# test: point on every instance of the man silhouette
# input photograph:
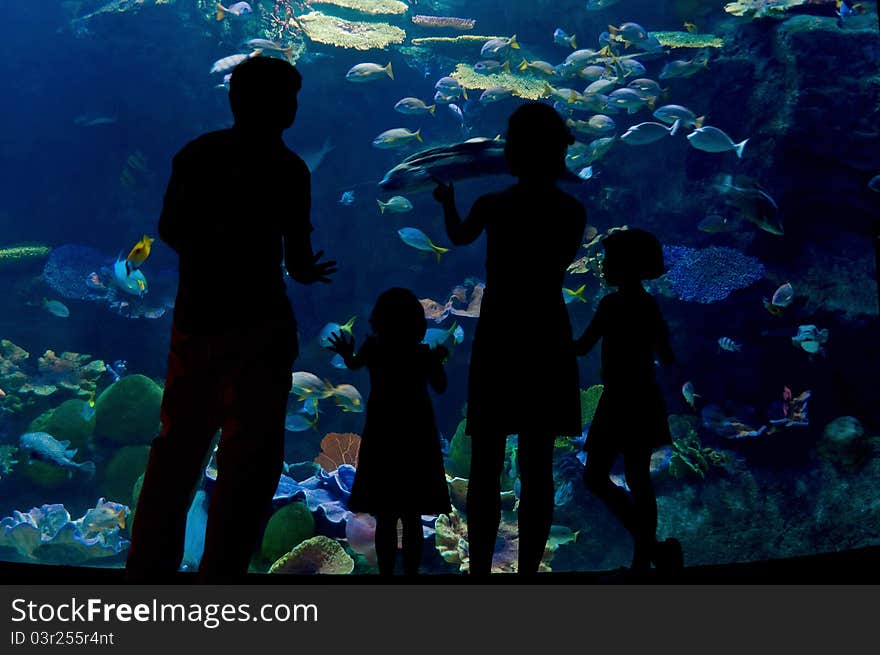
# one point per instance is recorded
(236, 207)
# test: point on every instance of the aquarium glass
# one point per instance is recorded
(743, 134)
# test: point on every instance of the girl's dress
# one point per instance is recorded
(400, 461)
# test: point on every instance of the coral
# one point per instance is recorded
(287, 527)
(444, 21)
(458, 495)
(73, 421)
(458, 458)
(688, 40)
(523, 86)
(47, 534)
(589, 402)
(127, 411)
(330, 30)
(708, 275)
(328, 492)
(12, 377)
(462, 39)
(761, 8)
(73, 372)
(315, 556)
(22, 257)
(370, 7)
(337, 449)
(360, 532)
(688, 455)
(845, 444)
(123, 470)
(7, 459)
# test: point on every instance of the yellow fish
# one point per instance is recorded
(139, 253)
(690, 27)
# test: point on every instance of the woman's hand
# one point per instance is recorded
(341, 343)
(444, 193)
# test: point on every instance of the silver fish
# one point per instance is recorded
(43, 446)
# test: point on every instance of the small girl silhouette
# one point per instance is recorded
(630, 418)
(400, 473)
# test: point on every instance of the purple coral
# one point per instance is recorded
(707, 275)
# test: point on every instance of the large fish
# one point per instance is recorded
(478, 157)
(44, 447)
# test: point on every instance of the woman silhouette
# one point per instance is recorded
(523, 378)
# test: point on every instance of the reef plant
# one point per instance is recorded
(444, 21)
(73, 421)
(522, 86)
(127, 412)
(48, 535)
(589, 402)
(708, 275)
(22, 256)
(368, 7)
(461, 39)
(7, 459)
(319, 555)
(762, 8)
(356, 35)
(688, 40)
(287, 527)
(338, 448)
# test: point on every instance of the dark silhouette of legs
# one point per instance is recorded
(636, 509)
(386, 541)
(535, 457)
(191, 414)
(484, 500)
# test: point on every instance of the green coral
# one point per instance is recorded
(287, 528)
(761, 8)
(589, 402)
(123, 470)
(370, 7)
(23, 256)
(523, 86)
(73, 421)
(318, 555)
(127, 411)
(458, 460)
(356, 35)
(688, 40)
(689, 456)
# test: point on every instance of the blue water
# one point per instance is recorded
(148, 71)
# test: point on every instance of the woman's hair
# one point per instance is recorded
(632, 255)
(537, 142)
(399, 316)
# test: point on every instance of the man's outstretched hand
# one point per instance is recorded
(317, 271)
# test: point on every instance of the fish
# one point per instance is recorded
(417, 239)
(541, 66)
(348, 398)
(728, 344)
(88, 120)
(396, 138)
(395, 205)
(597, 148)
(711, 139)
(782, 298)
(874, 184)
(347, 198)
(490, 66)
(139, 253)
(226, 64)
(314, 158)
(810, 338)
(44, 447)
(451, 88)
(645, 133)
(577, 294)
(105, 516)
(338, 361)
(413, 107)
(305, 385)
(755, 204)
(715, 224)
(456, 111)
(671, 113)
(629, 32)
(690, 394)
(305, 418)
(563, 39)
(685, 68)
(586, 173)
(477, 157)
(597, 125)
(368, 72)
(238, 9)
(131, 281)
(434, 311)
(271, 46)
(56, 308)
(561, 535)
(444, 337)
(496, 48)
(596, 5)
(335, 328)
(495, 94)
(628, 99)
(600, 86)
(689, 27)
(646, 87)
(577, 61)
